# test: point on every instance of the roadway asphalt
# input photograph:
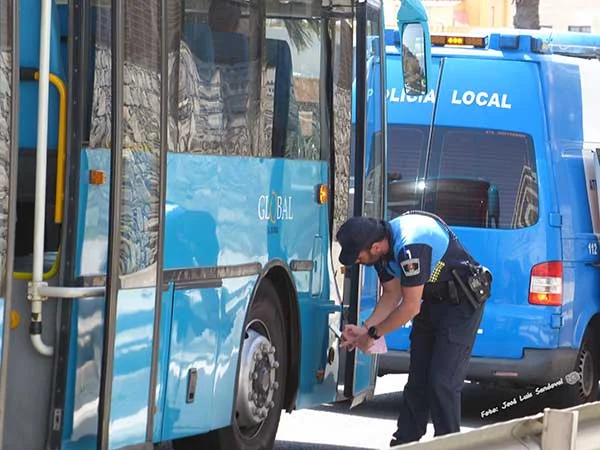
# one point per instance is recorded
(370, 425)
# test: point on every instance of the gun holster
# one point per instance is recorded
(478, 286)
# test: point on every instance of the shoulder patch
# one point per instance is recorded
(411, 267)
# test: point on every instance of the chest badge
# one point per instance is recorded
(411, 267)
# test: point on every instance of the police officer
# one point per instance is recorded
(428, 277)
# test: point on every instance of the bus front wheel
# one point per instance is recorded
(261, 376)
(261, 381)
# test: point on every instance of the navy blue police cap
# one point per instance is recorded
(357, 234)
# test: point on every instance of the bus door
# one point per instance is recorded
(369, 144)
(359, 285)
(368, 193)
(134, 289)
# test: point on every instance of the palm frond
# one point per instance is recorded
(302, 32)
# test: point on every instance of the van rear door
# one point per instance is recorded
(482, 169)
(488, 176)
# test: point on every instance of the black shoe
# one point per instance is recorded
(394, 443)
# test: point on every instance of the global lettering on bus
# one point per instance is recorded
(275, 207)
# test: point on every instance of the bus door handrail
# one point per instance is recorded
(29, 74)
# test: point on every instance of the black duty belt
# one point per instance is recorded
(436, 292)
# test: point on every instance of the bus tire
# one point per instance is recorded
(587, 367)
(261, 381)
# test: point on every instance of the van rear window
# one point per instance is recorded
(470, 177)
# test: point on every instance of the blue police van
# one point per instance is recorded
(504, 147)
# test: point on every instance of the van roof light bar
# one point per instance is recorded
(460, 41)
(392, 37)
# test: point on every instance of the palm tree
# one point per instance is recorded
(302, 32)
(527, 15)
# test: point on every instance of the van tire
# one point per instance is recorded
(264, 322)
(587, 367)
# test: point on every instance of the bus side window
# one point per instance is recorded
(232, 60)
(284, 127)
(141, 140)
(196, 81)
(217, 93)
(293, 93)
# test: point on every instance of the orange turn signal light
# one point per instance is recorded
(97, 177)
(323, 194)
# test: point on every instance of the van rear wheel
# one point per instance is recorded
(587, 368)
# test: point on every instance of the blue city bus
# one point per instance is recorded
(172, 176)
(504, 147)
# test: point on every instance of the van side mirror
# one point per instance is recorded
(414, 59)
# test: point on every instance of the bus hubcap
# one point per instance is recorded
(257, 385)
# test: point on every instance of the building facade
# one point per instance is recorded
(570, 15)
(455, 16)
(459, 16)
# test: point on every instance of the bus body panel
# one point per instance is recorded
(131, 374)
(163, 361)
(211, 214)
(133, 352)
(205, 335)
(233, 222)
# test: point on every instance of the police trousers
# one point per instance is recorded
(441, 341)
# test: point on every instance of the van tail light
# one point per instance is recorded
(545, 287)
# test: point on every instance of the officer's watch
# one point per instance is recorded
(372, 332)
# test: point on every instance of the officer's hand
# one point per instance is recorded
(364, 343)
(351, 335)
(352, 332)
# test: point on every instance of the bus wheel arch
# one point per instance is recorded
(279, 275)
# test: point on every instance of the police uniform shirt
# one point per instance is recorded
(421, 251)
